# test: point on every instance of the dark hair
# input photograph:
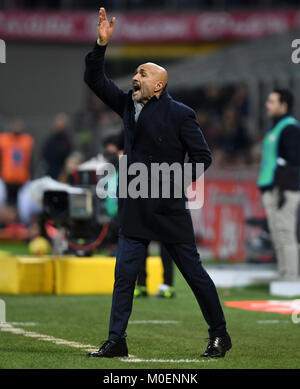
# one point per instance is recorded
(285, 96)
(114, 139)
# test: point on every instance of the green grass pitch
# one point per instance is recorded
(84, 319)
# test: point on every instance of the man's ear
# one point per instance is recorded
(284, 106)
(159, 86)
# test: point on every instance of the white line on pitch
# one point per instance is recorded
(271, 321)
(138, 360)
(154, 322)
(7, 327)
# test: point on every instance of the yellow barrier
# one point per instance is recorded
(154, 271)
(96, 275)
(26, 275)
(84, 275)
(67, 275)
(4, 254)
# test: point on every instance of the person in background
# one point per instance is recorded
(166, 289)
(7, 215)
(16, 148)
(279, 181)
(57, 148)
(232, 141)
(71, 164)
(210, 128)
(113, 147)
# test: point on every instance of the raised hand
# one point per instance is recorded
(105, 28)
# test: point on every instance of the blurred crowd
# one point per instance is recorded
(143, 4)
(95, 131)
(223, 114)
(56, 159)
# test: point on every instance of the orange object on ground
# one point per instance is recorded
(277, 306)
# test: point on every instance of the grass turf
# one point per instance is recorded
(84, 319)
(15, 248)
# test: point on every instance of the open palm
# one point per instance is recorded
(105, 28)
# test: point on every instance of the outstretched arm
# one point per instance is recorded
(95, 76)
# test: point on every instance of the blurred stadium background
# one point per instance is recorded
(223, 58)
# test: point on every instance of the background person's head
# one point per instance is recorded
(112, 148)
(111, 144)
(202, 117)
(230, 120)
(60, 122)
(17, 127)
(280, 102)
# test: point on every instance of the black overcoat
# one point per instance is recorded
(166, 131)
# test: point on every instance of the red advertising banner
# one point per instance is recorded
(220, 225)
(148, 27)
(229, 227)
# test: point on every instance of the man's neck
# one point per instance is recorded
(276, 119)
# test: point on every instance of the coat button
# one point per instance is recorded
(160, 139)
(150, 157)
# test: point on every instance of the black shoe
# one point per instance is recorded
(111, 349)
(218, 346)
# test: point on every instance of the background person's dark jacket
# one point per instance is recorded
(165, 131)
(56, 150)
(288, 177)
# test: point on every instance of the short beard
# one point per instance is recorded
(136, 100)
(142, 99)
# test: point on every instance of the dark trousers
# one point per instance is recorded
(167, 263)
(12, 191)
(130, 255)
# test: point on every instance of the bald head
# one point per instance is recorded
(158, 72)
(149, 80)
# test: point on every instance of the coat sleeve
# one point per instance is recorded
(194, 143)
(289, 145)
(98, 82)
(288, 177)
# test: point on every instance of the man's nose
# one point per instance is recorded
(135, 77)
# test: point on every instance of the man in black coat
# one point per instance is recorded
(158, 129)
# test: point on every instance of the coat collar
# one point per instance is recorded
(148, 110)
(165, 92)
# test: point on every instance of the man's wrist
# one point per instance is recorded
(101, 44)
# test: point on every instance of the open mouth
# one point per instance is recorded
(136, 87)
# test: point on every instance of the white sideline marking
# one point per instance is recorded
(7, 327)
(138, 360)
(21, 323)
(154, 322)
(271, 321)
